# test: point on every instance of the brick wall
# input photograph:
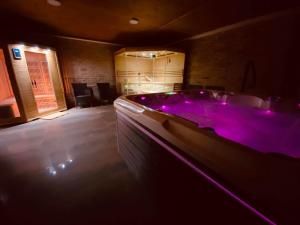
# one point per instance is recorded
(87, 62)
(271, 45)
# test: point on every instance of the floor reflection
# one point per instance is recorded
(67, 171)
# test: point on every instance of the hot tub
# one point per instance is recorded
(244, 148)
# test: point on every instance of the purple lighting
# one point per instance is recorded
(268, 111)
(201, 92)
(299, 105)
(261, 130)
(205, 175)
(143, 98)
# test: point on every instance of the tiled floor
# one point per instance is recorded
(67, 171)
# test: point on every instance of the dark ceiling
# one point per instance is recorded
(161, 21)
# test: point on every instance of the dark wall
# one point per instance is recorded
(268, 47)
(85, 62)
(80, 60)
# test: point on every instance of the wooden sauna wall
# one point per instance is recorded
(120, 71)
(169, 69)
(132, 70)
(165, 69)
(57, 80)
(5, 86)
(23, 81)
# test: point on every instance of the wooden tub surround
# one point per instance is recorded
(157, 146)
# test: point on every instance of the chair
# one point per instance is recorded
(83, 94)
(194, 87)
(107, 93)
(177, 87)
(113, 92)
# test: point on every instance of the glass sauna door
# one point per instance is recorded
(41, 81)
(8, 105)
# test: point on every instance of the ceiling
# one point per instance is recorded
(161, 21)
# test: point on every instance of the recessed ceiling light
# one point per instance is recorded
(134, 21)
(54, 2)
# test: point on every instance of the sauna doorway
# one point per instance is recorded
(41, 82)
(9, 109)
(36, 79)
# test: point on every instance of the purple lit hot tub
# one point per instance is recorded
(245, 147)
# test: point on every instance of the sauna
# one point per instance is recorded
(30, 83)
(9, 110)
(140, 70)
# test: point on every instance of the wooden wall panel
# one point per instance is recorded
(22, 76)
(132, 69)
(169, 69)
(56, 80)
(5, 86)
(40, 77)
(23, 82)
(141, 74)
(159, 67)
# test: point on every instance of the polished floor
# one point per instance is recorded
(68, 171)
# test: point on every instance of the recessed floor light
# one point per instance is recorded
(134, 21)
(54, 2)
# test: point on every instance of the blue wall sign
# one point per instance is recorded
(16, 53)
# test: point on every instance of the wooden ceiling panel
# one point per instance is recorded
(102, 20)
(161, 21)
